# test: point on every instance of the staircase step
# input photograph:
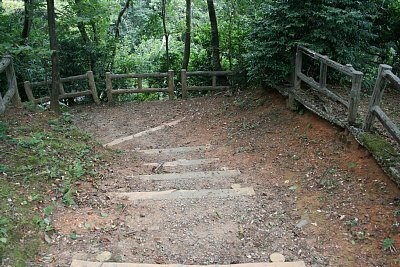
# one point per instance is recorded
(188, 175)
(79, 263)
(185, 194)
(174, 150)
(140, 134)
(182, 162)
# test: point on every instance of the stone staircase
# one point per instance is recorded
(196, 202)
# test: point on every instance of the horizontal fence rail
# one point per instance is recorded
(110, 91)
(213, 87)
(374, 111)
(12, 94)
(351, 103)
(88, 75)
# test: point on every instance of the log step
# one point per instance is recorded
(79, 263)
(151, 130)
(188, 175)
(174, 150)
(185, 194)
(182, 162)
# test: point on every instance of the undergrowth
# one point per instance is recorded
(42, 157)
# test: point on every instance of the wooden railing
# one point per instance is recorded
(213, 74)
(374, 110)
(110, 91)
(6, 64)
(351, 103)
(89, 76)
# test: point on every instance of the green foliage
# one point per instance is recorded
(388, 244)
(340, 29)
(259, 36)
(387, 26)
(48, 156)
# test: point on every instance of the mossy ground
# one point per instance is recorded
(42, 157)
(378, 146)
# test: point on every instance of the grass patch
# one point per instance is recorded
(42, 158)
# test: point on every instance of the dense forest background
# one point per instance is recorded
(255, 36)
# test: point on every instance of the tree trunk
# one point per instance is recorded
(214, 36)
(86, 39)
(116, 35)
(27, 21)
(186, 53)
(166, 35)
(55, 68)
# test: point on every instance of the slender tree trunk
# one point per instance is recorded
(166, 35)
(186, 53)
(27, 21)
(116, 35)
(214, 36)
(86, 39)
(55, 68)
(231, 10)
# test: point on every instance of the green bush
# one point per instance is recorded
(341, 29)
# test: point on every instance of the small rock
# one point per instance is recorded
(47, 239)
(301, 224)
(277, 257)
(235, 186)
(104, 256)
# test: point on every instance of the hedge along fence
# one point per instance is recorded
(6, 65)
(89, 76)
(374, 111)
(110, 91)
(351, 103)
(213, 87)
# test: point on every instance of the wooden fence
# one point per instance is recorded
(89, 76)
(374, 111)
(351, 103)
(213, 74)
(110, 92)
(6, 65)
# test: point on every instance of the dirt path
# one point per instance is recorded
(318, 196)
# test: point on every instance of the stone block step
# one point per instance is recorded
(79, 263)
(182, 162)
(173, 150)
(187, 175)
(185, 194)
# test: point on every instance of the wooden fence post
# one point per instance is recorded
(184, 84)
(376, 97)
(12, 81)
(92, 86)
(62, 91)
(323, 73)
(28, 91)
(356, 81)
(293, 105)
(214, 81)
(140, 83)
(171, 84)
(109, 87)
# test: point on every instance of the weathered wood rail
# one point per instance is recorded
(351, 103)
(88, 75)
(12, 94)
(213, 87)
(374, 111)
(110, 91)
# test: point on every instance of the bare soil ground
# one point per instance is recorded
(301, 168)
